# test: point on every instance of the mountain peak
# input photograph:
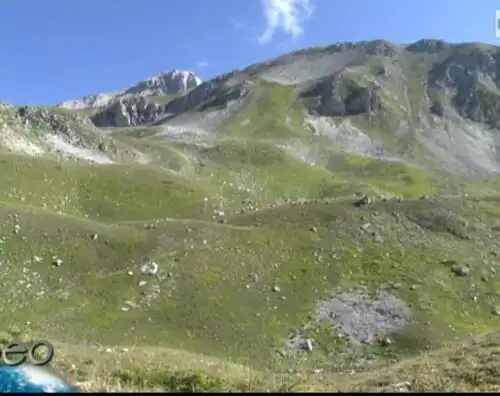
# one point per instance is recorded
(168, 82)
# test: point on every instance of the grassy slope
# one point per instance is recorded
(191, 318)
(470, 366)
(107, 193)
(244, 324)
(204, 258)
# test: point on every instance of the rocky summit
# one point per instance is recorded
(326, 220)
(171, 82)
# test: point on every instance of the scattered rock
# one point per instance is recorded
(365, 318)
(363, 202)
(131, 304)
(276, 289)
(254, 277)
(366, 227)
(402, 387)
(57, 262)
(307, 345)
(460, 270)
(281, 352)
(149, 268)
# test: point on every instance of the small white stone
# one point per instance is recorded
(150, 268)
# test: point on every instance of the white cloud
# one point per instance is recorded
(285, 15)
(203, 63)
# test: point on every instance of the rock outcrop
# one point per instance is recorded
(166, 83)
(342, 96)
(139, 110)
(131, 111)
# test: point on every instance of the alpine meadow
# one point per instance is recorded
(326, 220)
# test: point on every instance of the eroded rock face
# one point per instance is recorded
(165, 83)
(470, 78)
(139, 110)
(341, 96)
(211, 94)
(61, 123)
(128, 112)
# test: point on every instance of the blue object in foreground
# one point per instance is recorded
(28, 378)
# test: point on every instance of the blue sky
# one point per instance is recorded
(53, 50)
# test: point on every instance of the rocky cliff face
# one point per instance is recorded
(129, 111)
(469, 77)
(139, 110)
(339, 96)
(166, 83)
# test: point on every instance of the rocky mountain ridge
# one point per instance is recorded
(430, 103)
(165, 83)
(468, 69)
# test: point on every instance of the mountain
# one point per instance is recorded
(431, 103)
(326, 220)
(171, 82)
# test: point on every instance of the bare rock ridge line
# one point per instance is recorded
(166, 83)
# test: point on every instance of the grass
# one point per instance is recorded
(470, 366)
(154, 369)
(108, 193)
(271, 113)
(243, 324)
